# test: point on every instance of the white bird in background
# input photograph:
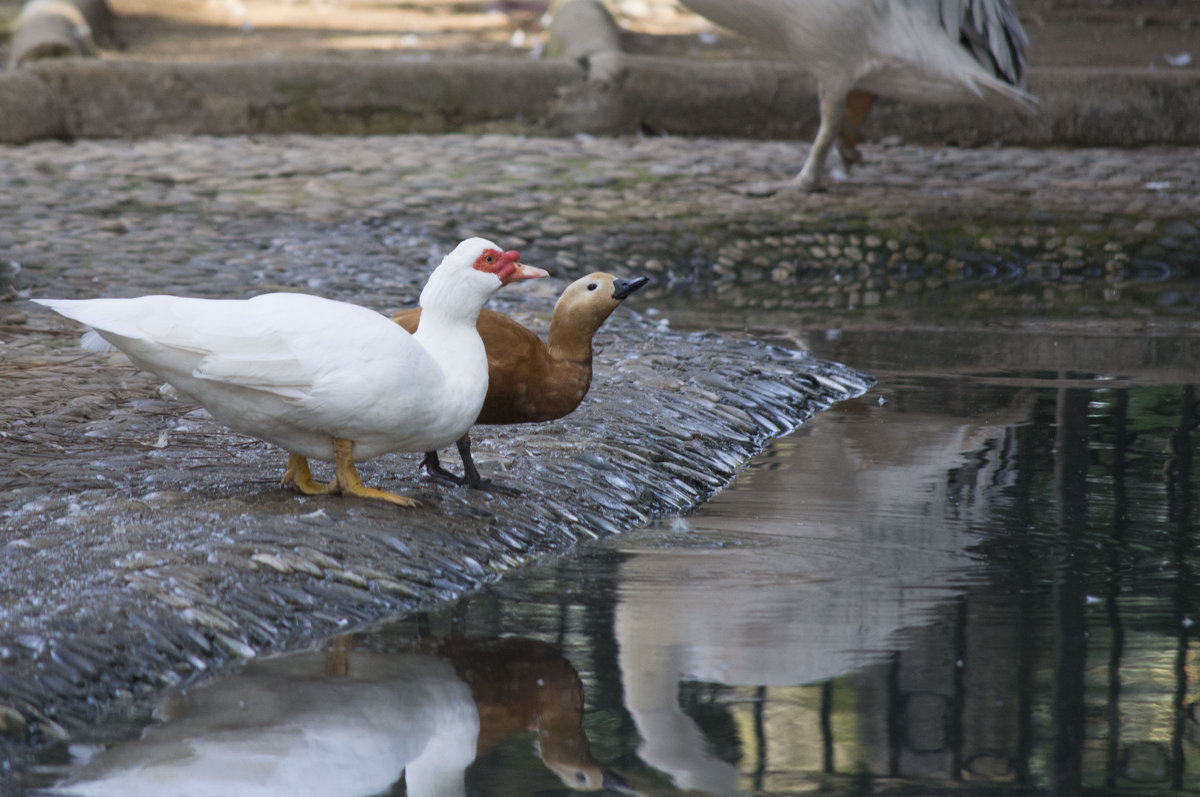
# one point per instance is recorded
(925, 51)
(318, 378)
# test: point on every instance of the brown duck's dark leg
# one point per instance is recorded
(433, 466)
(471, 476)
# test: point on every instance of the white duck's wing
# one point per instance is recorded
(309, 369)
(288, 345)
(350, 362)
(282, 344)
(272, 369)
(166, 335)
(300, 371)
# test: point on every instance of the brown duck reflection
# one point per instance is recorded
(344, 721)
(519, 684)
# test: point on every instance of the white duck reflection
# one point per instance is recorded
(352, 722)
(879, 545)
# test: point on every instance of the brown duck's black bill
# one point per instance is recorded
(622, 288)
(611, 781)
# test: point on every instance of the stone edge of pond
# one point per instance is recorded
(614, 93)
(165, 627)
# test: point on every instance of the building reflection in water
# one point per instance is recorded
(1055, 657)
(828, 548)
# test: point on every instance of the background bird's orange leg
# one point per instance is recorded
(348, 480)
(858, 105)
(298, 475)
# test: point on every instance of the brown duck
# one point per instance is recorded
(530, 381)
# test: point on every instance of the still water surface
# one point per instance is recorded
(980, 576)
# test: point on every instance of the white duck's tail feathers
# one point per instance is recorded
(97, 313)
(57, 305)
(93, 342)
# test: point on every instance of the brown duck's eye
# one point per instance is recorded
(592, 286)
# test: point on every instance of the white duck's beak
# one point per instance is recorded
(520, 271)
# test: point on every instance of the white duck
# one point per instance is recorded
(347, 722)
(297, 725)
(926, 51)
(321, 379)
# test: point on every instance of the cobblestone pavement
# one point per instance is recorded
(215, 216)
(365, 218)
(144, 545)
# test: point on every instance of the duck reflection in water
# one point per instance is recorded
(349, 722)
(781, 603)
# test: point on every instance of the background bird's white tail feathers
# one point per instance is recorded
(987, 86)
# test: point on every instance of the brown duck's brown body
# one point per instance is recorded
(526, 382)
(530, 381)
(519, 684)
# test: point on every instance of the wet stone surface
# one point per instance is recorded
(144, 545)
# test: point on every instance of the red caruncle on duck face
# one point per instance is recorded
(504, 265)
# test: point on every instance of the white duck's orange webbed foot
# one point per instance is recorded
(299, 476)
(348, 480)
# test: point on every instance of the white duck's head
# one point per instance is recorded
(470, 275)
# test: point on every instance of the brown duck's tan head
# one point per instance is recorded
(583, 307)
